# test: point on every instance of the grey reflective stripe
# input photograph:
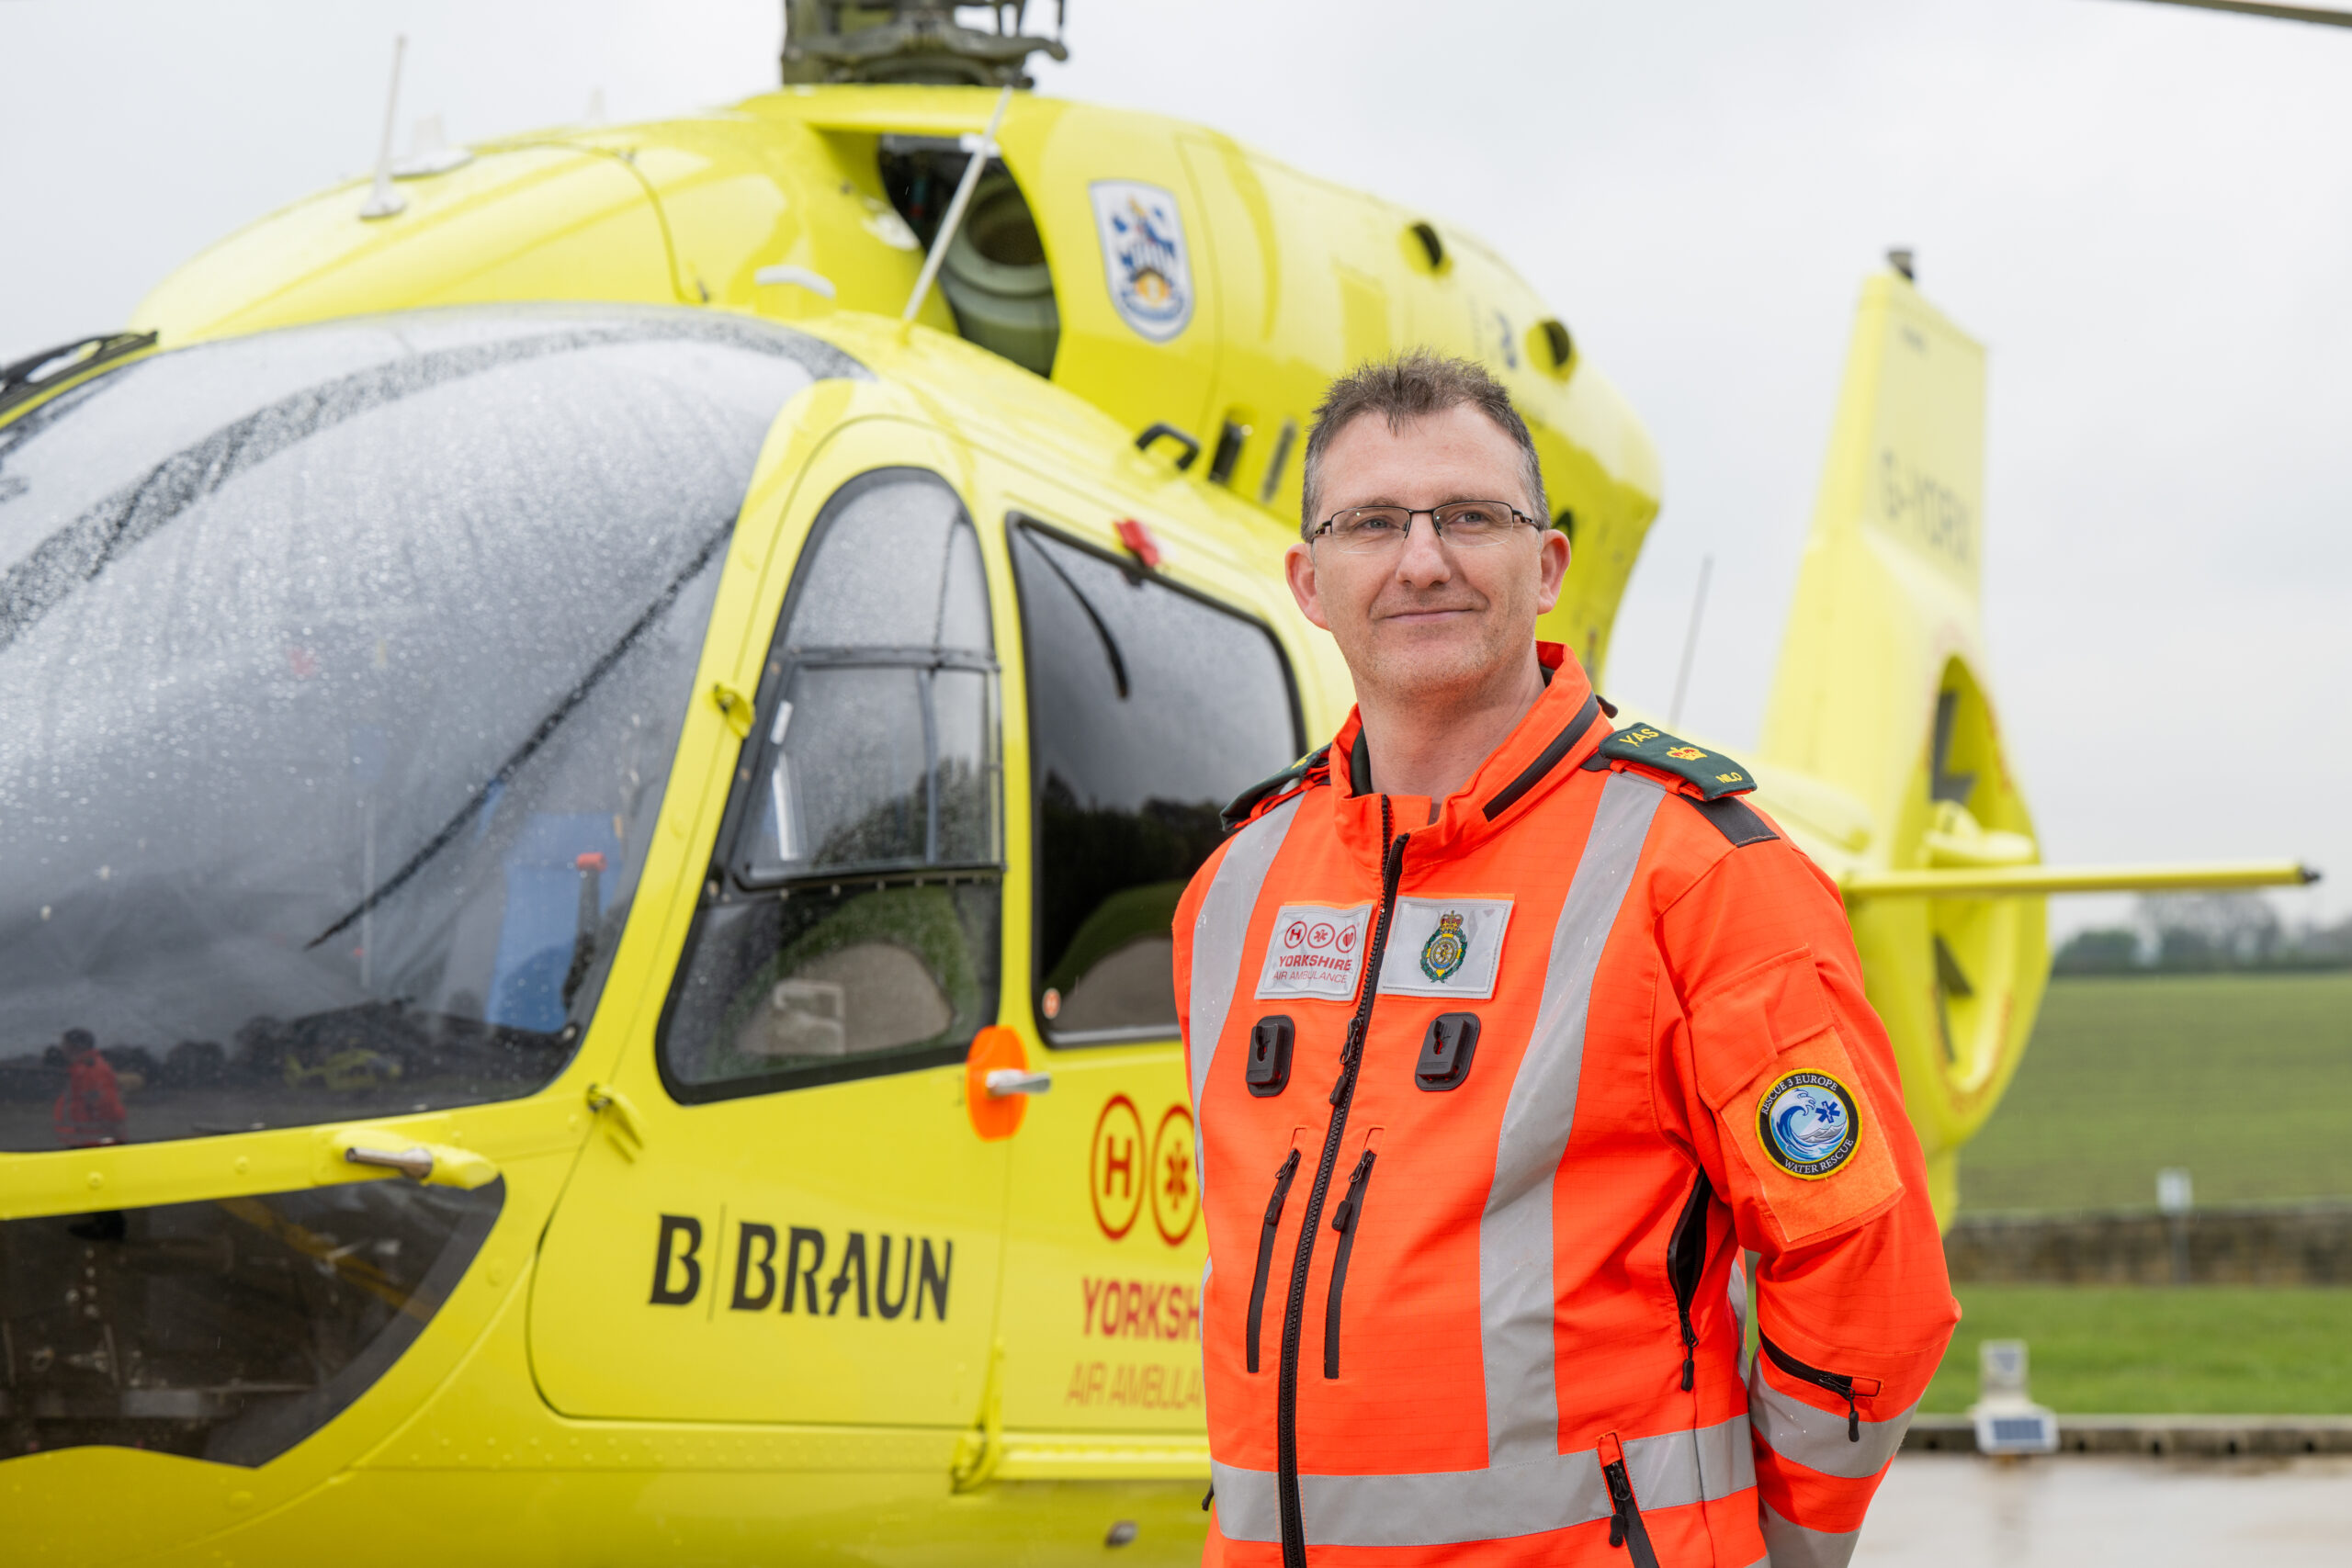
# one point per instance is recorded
(1793, 1546)
(1221, 931)
(1517, 1304)
(1450, 1507)
(1816, 1438)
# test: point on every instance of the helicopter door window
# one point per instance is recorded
(857, 928)
(1149, 708)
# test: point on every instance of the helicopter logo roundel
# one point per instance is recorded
(1145, 260)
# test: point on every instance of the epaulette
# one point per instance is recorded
(1246, 802)
(1715, 774)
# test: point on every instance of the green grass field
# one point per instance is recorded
(2246, 1079)
(2207, 1350)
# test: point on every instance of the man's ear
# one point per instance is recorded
(1298, 570)
(1552, 563)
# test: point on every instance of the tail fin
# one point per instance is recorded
(1881, 693)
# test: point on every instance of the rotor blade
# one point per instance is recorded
(2322, 15)
(2013, 881)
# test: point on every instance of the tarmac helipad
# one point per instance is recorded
(2088, 1510)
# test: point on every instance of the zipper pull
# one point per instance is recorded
(1611, 1455)
(1853, 1421)
(1345, 1214)
(1282, 1190)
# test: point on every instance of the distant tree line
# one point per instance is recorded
(2196, 933)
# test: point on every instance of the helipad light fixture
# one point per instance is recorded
(2007, 1422)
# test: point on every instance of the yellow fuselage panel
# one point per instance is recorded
(1290, 279)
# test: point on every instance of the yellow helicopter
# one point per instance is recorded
(609, 725)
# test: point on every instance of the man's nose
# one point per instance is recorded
(1423, 559)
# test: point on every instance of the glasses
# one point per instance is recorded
(1465, 524)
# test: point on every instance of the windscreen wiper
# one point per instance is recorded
(31, 375)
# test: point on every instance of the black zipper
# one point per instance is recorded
(1845, 1388)
(1343, 1220)
(1343, 1093)
(1686, 1259)
(1266, 1250)
(1625, 1527)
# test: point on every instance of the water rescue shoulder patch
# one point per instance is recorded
(1715, 774)
(1808, 1123)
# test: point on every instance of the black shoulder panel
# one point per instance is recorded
(1247, 801)
(1715, 774)
(1733, 819)
(1550, 758)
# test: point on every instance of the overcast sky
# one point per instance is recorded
(2143, 211)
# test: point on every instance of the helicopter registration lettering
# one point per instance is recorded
(785, 1270)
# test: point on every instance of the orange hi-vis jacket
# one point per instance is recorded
(1490, 1097)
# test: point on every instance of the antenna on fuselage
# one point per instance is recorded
(981, 151)
(382, 200)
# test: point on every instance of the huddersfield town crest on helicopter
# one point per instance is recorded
(1144, 257)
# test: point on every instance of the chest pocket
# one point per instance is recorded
(1796, 1117)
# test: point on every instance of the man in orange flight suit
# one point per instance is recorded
(1506, 1035)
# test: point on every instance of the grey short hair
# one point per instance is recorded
(1415, 384)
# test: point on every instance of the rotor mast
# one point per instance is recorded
(916, 42)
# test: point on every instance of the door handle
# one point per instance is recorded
(998, 1083)
(434, 1165)
(619, 1115)
(1003, 1081)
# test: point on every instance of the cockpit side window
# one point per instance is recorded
(1149, 708)
(857, 928)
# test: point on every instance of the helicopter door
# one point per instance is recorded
(1150, 707)
(811, 1231)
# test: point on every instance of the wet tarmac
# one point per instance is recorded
(2086, 1511)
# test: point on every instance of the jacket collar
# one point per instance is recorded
(1559, 731)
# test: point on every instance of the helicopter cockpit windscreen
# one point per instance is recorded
(343, 668)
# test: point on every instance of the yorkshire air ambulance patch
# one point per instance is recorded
(1808, 1124)
(1446, 948)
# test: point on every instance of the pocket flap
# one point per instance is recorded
(1738, 1026)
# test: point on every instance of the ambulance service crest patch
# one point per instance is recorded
(1445, 949)
(1145, 260)
(1685, 753)
(1808, 1124)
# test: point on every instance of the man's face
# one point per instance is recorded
(1427, 619)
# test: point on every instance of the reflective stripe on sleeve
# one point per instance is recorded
(1450, 1507)
(1816, 1438)
(1517, 1298)
(1221, 931)
(1793, 1546)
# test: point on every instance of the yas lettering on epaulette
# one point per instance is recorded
(1715, 774)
